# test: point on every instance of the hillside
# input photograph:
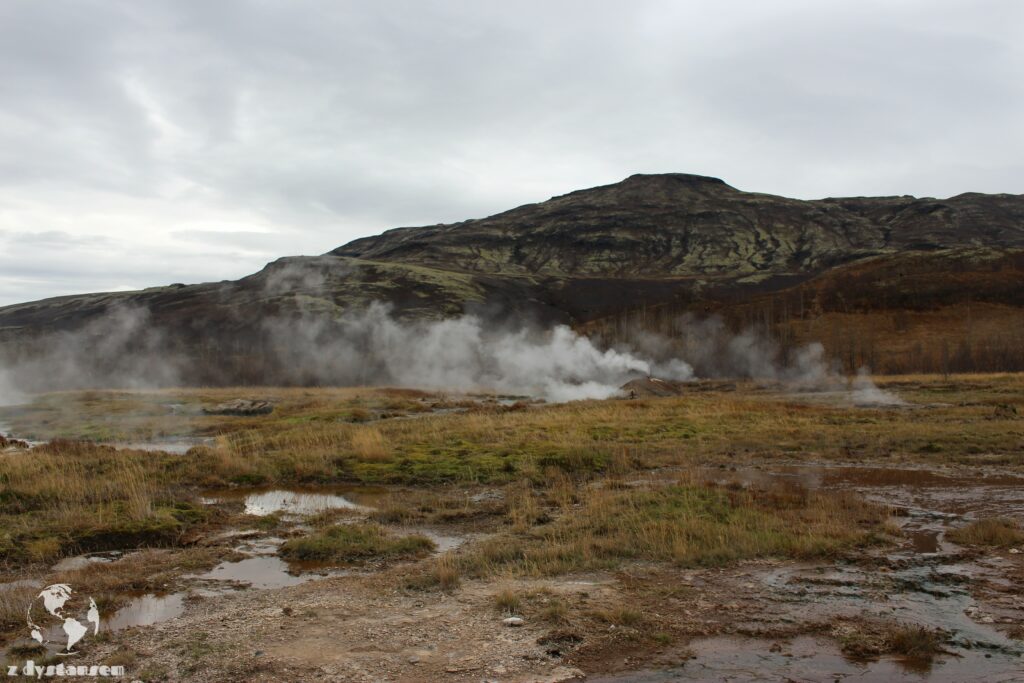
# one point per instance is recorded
(677, 225)
(646, 250)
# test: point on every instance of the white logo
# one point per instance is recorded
(62, 614)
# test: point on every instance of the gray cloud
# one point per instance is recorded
(142, 128)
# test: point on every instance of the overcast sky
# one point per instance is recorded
(147, 142)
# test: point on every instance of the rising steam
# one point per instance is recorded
(123, 349)
(120, 349)
(460, 354)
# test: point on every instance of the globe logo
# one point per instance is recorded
(58, 613)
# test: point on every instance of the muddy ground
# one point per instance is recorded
(241, 612)
(255, 617)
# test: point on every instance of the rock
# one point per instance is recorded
(513, 621)
(6, 442)
(651, 386)
(1015, 551)
(241, 406)
(1005, 411)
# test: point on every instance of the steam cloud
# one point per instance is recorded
(120, 349)
(712, 350)
(460, 354)
(123, 349)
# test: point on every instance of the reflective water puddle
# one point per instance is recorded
(805, 659)
(145, 610)
(176, 446)
(299, 501)
(80, 561)
(925, 491)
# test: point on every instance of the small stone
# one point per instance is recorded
(513, 621)
(242, 407)
(414, 659)
(1015, 551)
(987, 620)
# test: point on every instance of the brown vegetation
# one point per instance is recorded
(996, 532)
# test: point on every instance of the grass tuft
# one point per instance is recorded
(916, 642)
(353, 543)
(994, 532)
(507, 601)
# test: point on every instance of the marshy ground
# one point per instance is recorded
(736, 532)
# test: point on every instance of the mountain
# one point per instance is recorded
(649, 248)
(677, 225)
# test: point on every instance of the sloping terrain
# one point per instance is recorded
(673, 243)
(948, 310)
(677, 225)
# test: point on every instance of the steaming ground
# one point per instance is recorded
(372, 347)
(460, 354)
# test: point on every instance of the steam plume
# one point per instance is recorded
(459, 354)
(370, 346)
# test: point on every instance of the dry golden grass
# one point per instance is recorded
(916, 642)
(441, 573)
(683, 524)
(353, 543)
(507, 601)
(369, 444)
(446, 573)
(67, 496)
(996, 532)
(13, 603)
(143, 570)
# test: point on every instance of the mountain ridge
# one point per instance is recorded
(679, 242)
(688, 219)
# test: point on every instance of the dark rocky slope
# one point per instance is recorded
(677, 225)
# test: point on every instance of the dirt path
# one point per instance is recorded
(346, 628)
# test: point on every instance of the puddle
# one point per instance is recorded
(256, 572)
(807, 659)
(6, 432)
(927, 581)
(443, 543)
(928, 594)
(916, 489)
(141, 610)
(299, 501)
(175, 446)
(261, 569)
(80, 561)
(145, 610)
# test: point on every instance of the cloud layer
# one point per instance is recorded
(147, 143)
